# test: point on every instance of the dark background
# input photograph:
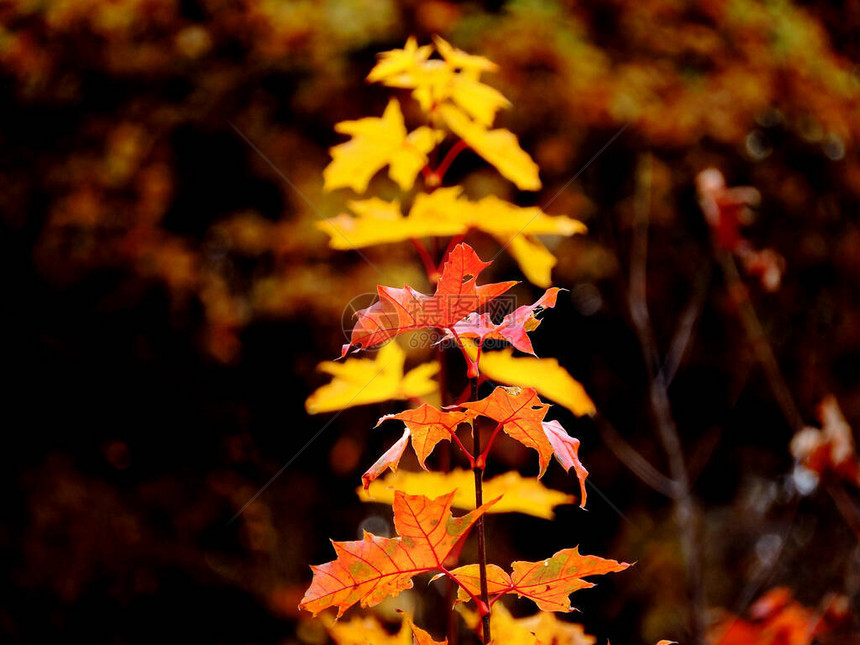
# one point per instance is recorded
(166, 298)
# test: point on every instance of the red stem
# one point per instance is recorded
(464, 449)
(473, 372)
(483, 607)
(429, 265)
(482, 458)
(455, 150)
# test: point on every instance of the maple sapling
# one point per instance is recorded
(430, 537)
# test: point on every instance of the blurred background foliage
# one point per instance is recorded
(166, 296)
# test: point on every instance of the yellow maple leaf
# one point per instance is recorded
(515, 227)
(519, 494)
(458, 59)
(396, 63)
(376, 143)
(359, 381)
(446, 212)
(543, 374)
(543, 627)
(433, 81)
(364, 630)
(499, 147)
(377, 221)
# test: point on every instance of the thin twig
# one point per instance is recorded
(667, 431)
(757, 338)
(633, 459)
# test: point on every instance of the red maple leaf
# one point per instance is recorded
(400, 310)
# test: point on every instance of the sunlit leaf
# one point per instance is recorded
(364, 630)
(397, 62)
(548, 583)
(520, 414)
(519, 494)
(400, 310)
(566, 451)
(359, 381)
(368, 571)
(543, 628)
(377, 221)
(376, 143)
(446, 212)
(419, 636)
(549, 378)
(513, 328)
(500, 148)
(389, 459)
(428, 425)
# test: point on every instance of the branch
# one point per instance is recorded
(426, 260)
(757, 338)
(633, 459)
(667, 430)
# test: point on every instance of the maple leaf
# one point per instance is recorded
(500, 148)
(365, 630)
(360, 381)
(776, 618)
(446, 212)
(376, 143)
(515, 228)
(420, 637)
(566, 450)
(519, 412)
(397, 62)
(545, 375)
(401, 310)
(369, 570)
(389, 459)
(456, 78)
(541, 628)
(428, 425)
(458, 59)
(548, 583)
(518, 494)
(379, 222)
(513, 328)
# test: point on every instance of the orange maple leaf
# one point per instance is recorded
(514, 326)
(369, 570)
(566, 449)
(519, 412)
(400, 310)
(428, 425)
(548, 583)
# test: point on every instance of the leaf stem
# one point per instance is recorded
(483, 608)
(482, 458)
(427, 261)
(472, 372)
(455, 150)
(479, 500)
(464, 449)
